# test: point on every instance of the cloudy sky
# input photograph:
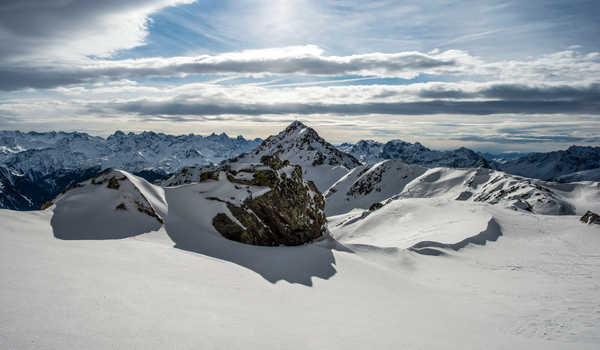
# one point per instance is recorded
(488, 74)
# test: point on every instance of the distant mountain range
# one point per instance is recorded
(35, 167)
(577, 163)
(369, 151)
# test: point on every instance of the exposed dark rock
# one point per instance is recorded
(590, 218)
(291, 213)
(146, 208)
(375, 206)
(113, 183)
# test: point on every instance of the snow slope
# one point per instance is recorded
(403, 223)
(321, 162)
(369, 184)
(113, 205)
(515, 192)
(363, 187)
(534, 287)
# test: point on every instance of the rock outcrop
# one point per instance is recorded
(288, 211)
(590, 218)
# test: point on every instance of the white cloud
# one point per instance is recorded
(309, 60)
(51, 30)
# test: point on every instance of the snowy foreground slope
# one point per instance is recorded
(376, 282)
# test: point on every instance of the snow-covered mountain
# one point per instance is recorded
(577, 163)
(369, 184)
(35, 154)
(369, 151)
(20, 192)
(46, 163)
(503, 157)
(12, 191)
(299, 144)
(584, 175)
(568, 164)
(366, 186)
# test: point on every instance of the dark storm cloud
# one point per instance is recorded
(182, 107)
(22, 78)
(519, 92)
(523, 92)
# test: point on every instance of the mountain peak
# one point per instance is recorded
(298, 130)
(296, 124)
(302, 145)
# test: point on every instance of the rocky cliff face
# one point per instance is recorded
(279, 207)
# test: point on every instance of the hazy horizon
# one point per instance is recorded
(381, 140)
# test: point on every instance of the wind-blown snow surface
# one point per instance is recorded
(534, 284)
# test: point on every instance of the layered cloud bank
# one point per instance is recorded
(308, 61)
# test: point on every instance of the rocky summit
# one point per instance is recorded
(287, 211)
(321, 162)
